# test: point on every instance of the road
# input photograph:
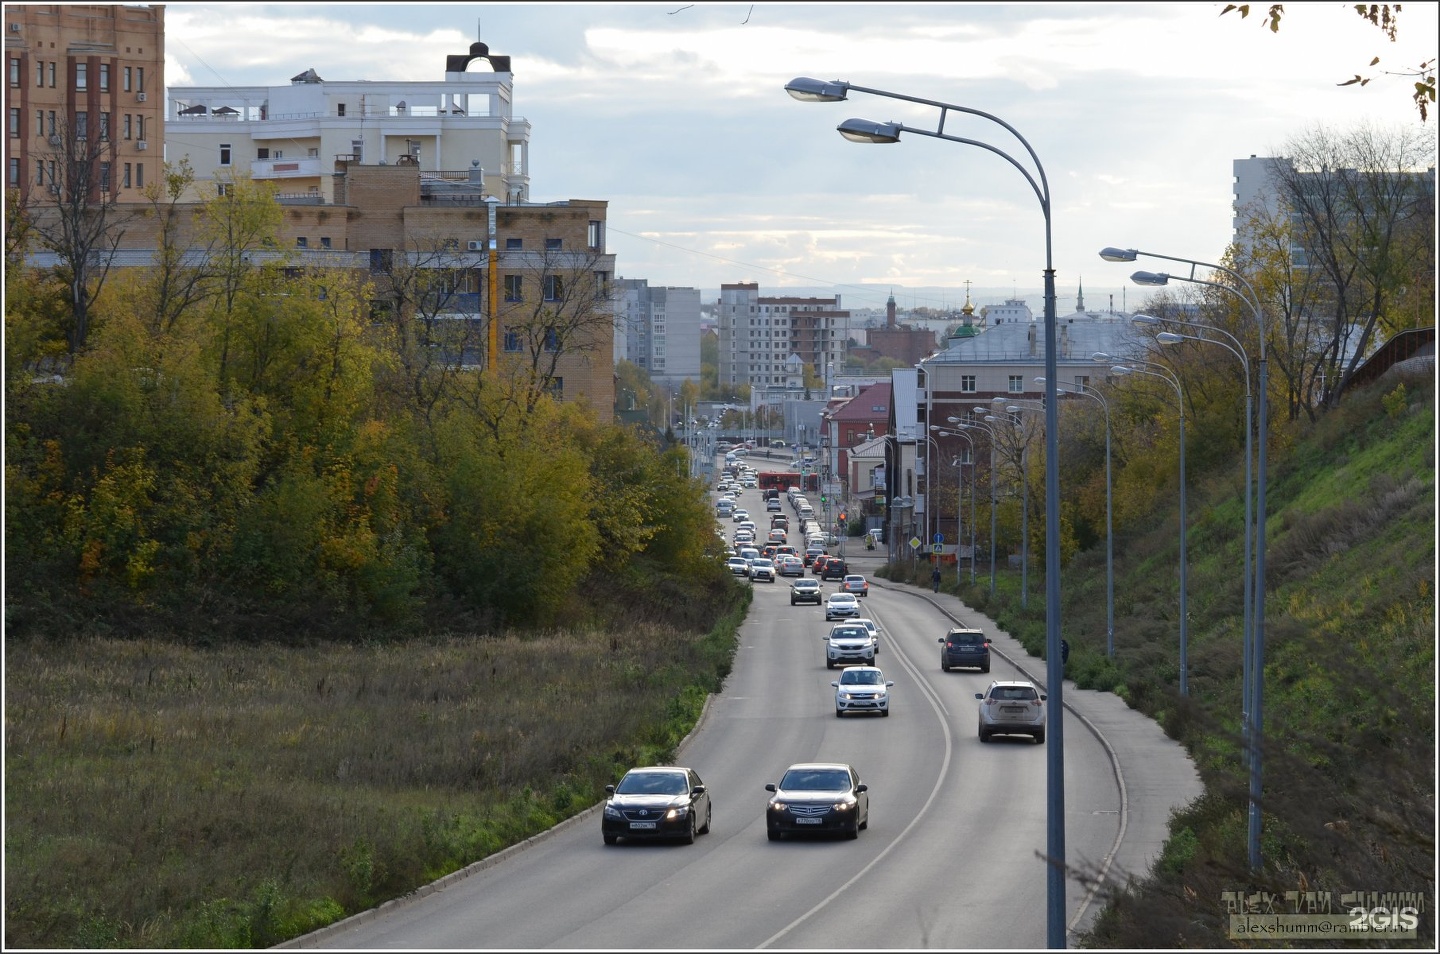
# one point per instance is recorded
(953, 854)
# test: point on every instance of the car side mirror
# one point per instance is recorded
(941, 639)
(609, 789)
(888, 684)
(698, 790)
(862, 787)
(979, 695)
(769, 786)
(1042, 697)
(835, 684)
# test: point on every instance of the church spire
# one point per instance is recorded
(1080, 297)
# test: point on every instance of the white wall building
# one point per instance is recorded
(661, 329)
(294, 135)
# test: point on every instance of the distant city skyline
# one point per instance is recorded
(676, 115)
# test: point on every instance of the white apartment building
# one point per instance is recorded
(295, 135)
(659, 329)
(767, 342)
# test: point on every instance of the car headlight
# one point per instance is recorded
(778, 806)
(679, 811)
(845, 805)
(612, 812)
(845, 696)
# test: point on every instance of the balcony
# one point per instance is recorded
(296, 168)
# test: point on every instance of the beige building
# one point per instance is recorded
(86, 81)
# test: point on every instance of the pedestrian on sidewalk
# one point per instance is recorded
(935, 578)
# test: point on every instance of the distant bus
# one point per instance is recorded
(783, 480)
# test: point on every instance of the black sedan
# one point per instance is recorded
(658, 801)
(818, 797)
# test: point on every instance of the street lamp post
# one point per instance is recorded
(1235, 348)
(1257, 641)
(959, 465)
(859, 130)
(975, 425)
(1109, 520)
(1024, 502)
(1165, 374)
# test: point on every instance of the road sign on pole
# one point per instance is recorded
(939, 538)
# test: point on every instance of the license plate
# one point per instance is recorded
(807, 821)
(1013, 710)
(634, 825)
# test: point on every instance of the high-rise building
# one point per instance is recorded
(85, 99)
(660, 329)
(767, 343)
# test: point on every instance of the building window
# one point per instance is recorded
(39, 122)
(556, 387)
(967, 384)
(139, 126)
(104, 177)
(14, 123)
(222, 189)
(127, 125)
(514, 243)
(39, 72)
(597, 234)
(125, 78)
(1017, 384)
(552, 243)
(302, 242)
(224, 154)
(125, 177)
(340, 109)
(139, 175)
(324, 241)
(552, 339)
(14, 174)
(263, 152)
(1082, 380)
(512, 340)
(602, 285)
(139, 79)
(381, 259)
(82, 75)
(104, 127)
(514, 288)
(50, 122)
(82, 124)
(554, 288)
(14, 72)
(51, 66)
(104, 77)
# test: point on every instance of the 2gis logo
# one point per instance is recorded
(1382, 919)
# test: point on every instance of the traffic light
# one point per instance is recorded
(842, 516)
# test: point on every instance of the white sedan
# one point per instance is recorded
(841, 606)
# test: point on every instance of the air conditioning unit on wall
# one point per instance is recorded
(140, 97)
(141, 145)
(477, 246)
(54, 140)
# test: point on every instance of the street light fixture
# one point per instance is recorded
(1165, 374)
(960, 463)
(812, 90)
(1090, 392)
(1246, 293)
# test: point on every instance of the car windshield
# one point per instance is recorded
(854, 579)
(967, 639)
(816, 780)
(1019, 693)
(850, 632)
(860, 677)
(651, 783)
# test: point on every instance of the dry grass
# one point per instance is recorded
(161, 795)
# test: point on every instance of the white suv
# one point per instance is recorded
(849, 644)
(762, 568)
(1012, 708)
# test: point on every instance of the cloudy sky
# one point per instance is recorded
(676, 114)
